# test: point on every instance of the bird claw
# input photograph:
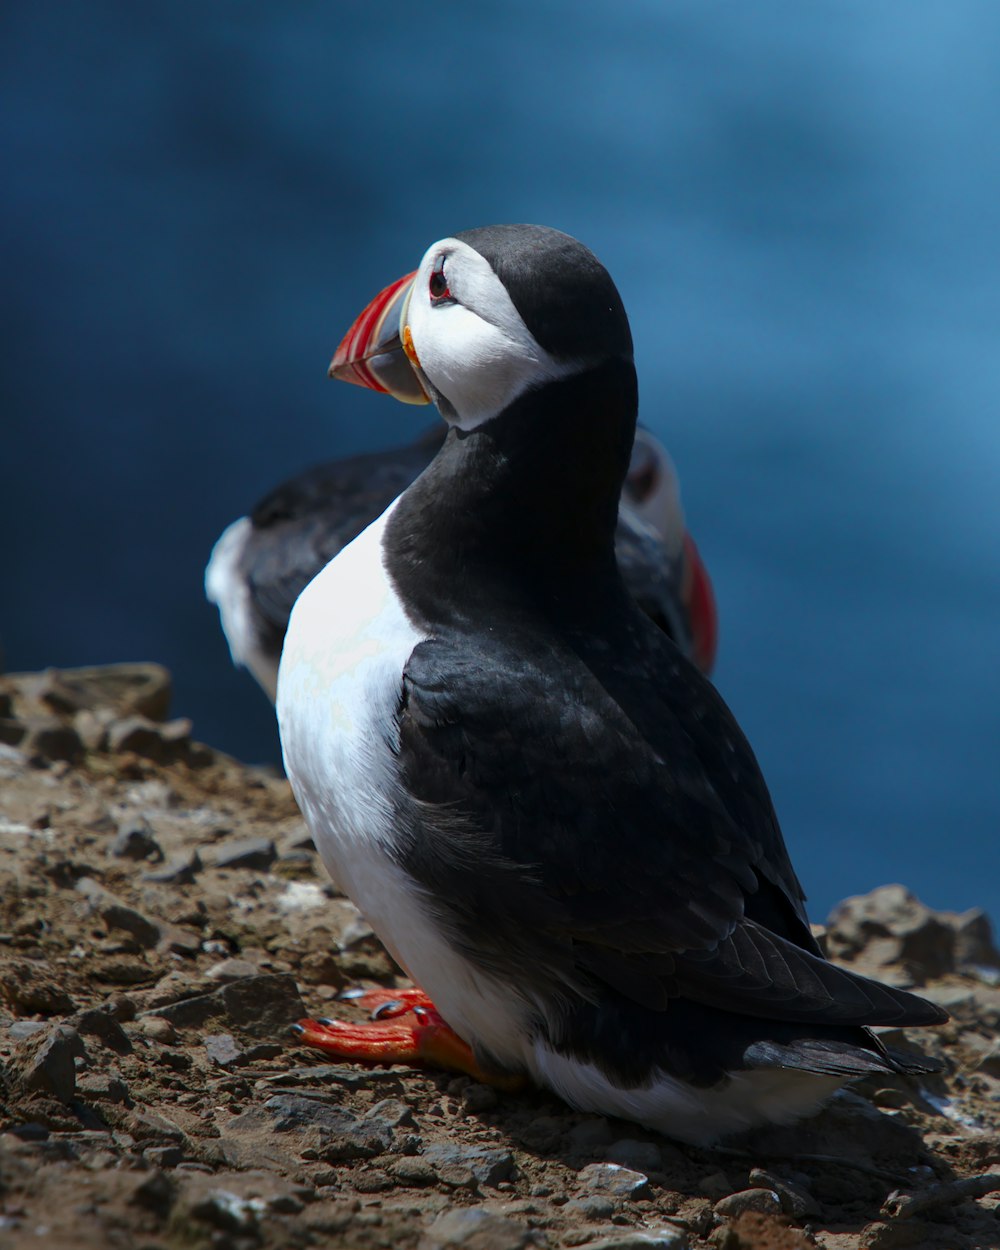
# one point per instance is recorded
(385, 1004)
(393, 1007)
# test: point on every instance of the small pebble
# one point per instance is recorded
(157, 1029)
(21, 1029)
(413, 1172)
(615, 1181)
(221, 1049)
(643, 1239)
(474, 1226)
(255, 853)
(180, 871)
(135, 840)
(764, 1201)
(796, 1200)
(231, 970)
(595, 1208)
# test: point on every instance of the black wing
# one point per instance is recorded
(606, 842)
(302, 524)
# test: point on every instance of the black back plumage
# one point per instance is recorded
(579, 802)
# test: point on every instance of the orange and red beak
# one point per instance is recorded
(372, 353)
(698, 600)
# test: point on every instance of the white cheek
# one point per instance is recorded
(478, 352)
(477, 367)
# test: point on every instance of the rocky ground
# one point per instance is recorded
(164, 917)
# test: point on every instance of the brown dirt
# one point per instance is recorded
(164, 917)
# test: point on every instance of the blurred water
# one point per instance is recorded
(799, 205)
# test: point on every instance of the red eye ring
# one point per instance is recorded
(438, 285)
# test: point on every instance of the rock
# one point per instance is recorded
(596, 1207)
(103, 1087)
(473, 1228)
(796, 1200)
(642, 1156)
(459, 1164)
(261, 1006)
(20, 1030)
(257, 853)
(49, 740)
(157, 1130)
(120, 1007)
(92, 729)
(135, 840)
(29, 987)
(334, 1134)
(122, 971)
(763, 1201)
(393, 1112)
(179, 871)
(651, 1239)
(95, 1022)
(264, 1050)
(232, 970)
(32, 1131)
(615, 1181)
(11, 731)
(155, 1191)
(47, 1063)
(228, 1211)
(123, 689)
(984, 1053)
(118, 915)
(162, 743)
(895, 1235)
(890, 927)
(222, 1050)
(343, 1078)
(412, 1171)
(157, 1029)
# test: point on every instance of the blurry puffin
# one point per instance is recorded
(262, 562)
(548, 815)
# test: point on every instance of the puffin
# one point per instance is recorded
(262, 562)
(543, 808)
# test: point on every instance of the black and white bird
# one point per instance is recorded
(547, 814)
(262, 562)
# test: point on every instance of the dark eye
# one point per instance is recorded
(438, 285)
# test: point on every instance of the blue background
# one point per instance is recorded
(800, 207)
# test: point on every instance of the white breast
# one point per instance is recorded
(338, 690)
(339, 687)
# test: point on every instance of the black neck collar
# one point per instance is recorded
(522, 508)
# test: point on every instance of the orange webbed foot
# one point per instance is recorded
(413, 1032)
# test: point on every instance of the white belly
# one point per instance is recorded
(339, 687)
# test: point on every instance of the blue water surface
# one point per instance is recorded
(800, 207)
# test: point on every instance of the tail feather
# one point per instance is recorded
(857, 1057)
